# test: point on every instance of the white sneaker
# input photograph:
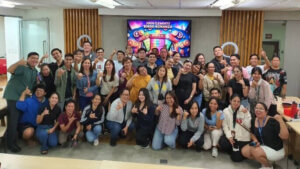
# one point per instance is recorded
(214, 152)
(96, 142)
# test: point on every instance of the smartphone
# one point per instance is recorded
(252, 144)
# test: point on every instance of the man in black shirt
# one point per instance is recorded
(57, 55)
(276, 77)
(220, 61)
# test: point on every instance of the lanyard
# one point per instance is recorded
(260, 129)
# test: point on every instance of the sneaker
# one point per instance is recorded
(145, 147)
(96, 142)
(113, 142)
(214, 152)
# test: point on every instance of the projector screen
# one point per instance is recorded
(175, 35)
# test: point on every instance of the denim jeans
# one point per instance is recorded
(94, 133)
(84, 101)
(46, 140)
(159, 139)
(115, 128)
(198, 99)
(245, 103)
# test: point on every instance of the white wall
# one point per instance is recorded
(292, 58)
(2, 37)
(204, 33)
(12, 12)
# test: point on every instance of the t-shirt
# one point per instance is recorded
(138, 63)
(100, 65)
(118, 66)
(63, 119)
(92, 56)
(219, 66)
(276, 79)
(213, 120)
(185, 85)
(108, 85)
(53, 66)
(237, 87)
(269, 135)
(249, 69)
(151, 71)
(53, 115)
(68, 93)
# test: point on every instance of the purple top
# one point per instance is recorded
(166, 123)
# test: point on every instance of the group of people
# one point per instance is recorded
(197, 104)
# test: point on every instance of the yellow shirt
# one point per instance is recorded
(210, 77)
(138, 83)
(170, 74)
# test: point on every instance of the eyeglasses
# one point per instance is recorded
(259, 109)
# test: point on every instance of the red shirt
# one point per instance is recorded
(63, 119)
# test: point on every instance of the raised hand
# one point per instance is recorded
(45, 112)
(119, 105)
(185, 114)
(27, 91)
(145, 110)
(134, 110)
(60, 72)
(79, 76)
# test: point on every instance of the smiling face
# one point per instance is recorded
(218, 52)
(176, 58)
(142, 97)
(45, 70)
(161, 72)
(33, 60)
(100, 54)
(201, 59)
(260, 111)
(87, 47)
(194, 110)
(256, 76)
(40, 93)
(108, 66)
(125, 96)
(234, 61)
(142, 71)
(70, 107)
(254, 61)
(56, 55)
(210, 68)
(96, 100)
(152, 59)
(235, 103)
(187, 66)
(86, 64)
(213, 105)
(170, 100)
(53, 100)
(169, 63)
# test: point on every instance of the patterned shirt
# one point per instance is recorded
(166, 123)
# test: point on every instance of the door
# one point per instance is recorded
(271, 48)
(34, 37)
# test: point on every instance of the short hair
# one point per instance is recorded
(69, 55)
(187, 61)
(77, 51)
(32, 54)
(125, 60)
(275, 56)
(55, 49)
(256, 69)
(142, 49)
(84, 42)
(99, 49)
(214, 88)
(138, 68)
(70, 101)
(120, 51)
(163, 49)
(236, 55)
(152, 54)
(39, 86)
(217, 47)
(254, 54)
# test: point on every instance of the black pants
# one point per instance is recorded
(185, 137)
(12, 123)
(143, 136)
(235, 156)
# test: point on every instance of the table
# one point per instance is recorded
(280, 107)
(295, 126)
(9, 161)
(127, 165)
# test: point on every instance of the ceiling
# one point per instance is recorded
(282, 5)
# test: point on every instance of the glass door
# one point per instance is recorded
(34, 37)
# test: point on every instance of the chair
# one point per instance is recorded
(3, 127)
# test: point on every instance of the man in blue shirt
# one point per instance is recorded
(30, 107)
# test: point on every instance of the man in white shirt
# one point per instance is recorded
(118, 62)
(129, 52)
(100, 60)
(254, 62)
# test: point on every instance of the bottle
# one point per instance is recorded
(294, 109)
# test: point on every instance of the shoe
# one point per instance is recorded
(14, 149)
(145, 147)
(214, 152)
(18, 147)
(96, 142)
(113, 143)
(44, 152)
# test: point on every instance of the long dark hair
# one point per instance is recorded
(148, 101)
(90, 69)
(208, 111)
(235, 112)
(113, 71)
(175, 104)
(240, 69)
(191, 104)
(196, 62)
(99, 109)
(165, 78)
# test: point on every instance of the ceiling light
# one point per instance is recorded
(8, 4)
(107, 3)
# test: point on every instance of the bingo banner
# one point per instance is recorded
(174, 35)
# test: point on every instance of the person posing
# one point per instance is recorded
(237, 118)
(30, 107)
(277, 78)
(99, 61)
(65, 81)
(129, 52)
(23, 76)
(57, 56)
(177, 62)
(199, 79)
(143, 110)
(171, 71)
(268, 134)
(260, 90)
(220, 62)
(141, 60)
(213, 125)
(234, 62)
(118, 64)
(109, 83)
(92, 118)
(138, 81)
(87, 83)
(186, 84)
(192, 127)
(254, 59)
(200, 60)
(78, 56)
(126, 73)
(170, 115)
(69, 125)
(159, 85)
(151, 66)
(239, 85)
(163, 57)
(47, 124)
(211, 80)
(88, 50)
(119, 119)
(46, 78)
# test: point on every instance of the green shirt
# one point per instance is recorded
(22, 77)
(61, 83)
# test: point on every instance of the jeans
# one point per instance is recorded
(115, 129)
(198, 99)
(12, 123)
(159, 139)
(245, 103)
(94, 133)
(84, 101)
(46, 140)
